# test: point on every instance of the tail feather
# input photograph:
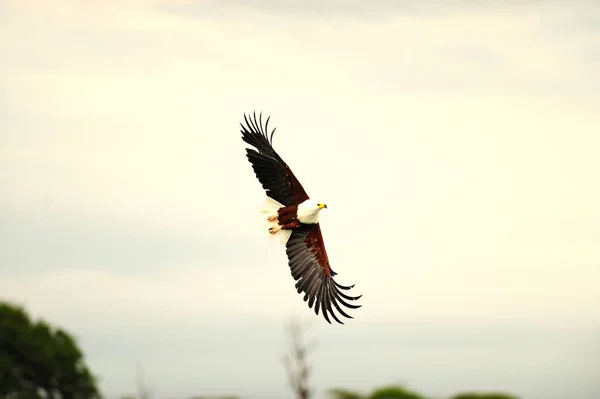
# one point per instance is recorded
(269, 209)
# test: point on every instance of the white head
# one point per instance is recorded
(308, 211)
(314, 205)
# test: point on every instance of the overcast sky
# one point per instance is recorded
(456, 147)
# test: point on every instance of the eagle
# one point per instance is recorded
(291, 217)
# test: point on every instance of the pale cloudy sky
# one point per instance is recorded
(456, 146)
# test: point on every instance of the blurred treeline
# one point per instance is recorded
(38, 360)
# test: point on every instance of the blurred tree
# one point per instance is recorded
(296, 363)
(38, 361)
(214, 397)
(492, 395)
(143, 392)
(341, 393)
(387, 392)
(398, 392)
(394, 392)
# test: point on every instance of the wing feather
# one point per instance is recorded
(272, 172)
(309, 266)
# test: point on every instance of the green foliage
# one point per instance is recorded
(37, 360)
(394, 392)
(492, 395)
(387, 392)
(398, 392)
(214, 397)
(341, 393)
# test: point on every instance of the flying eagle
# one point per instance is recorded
(292, 218)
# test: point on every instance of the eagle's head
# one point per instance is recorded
(308, 211)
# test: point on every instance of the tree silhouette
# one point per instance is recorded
(296, 363)
(492, 395)
(398, 392)
(387, 392)
(37, 360)
(342, 393)
(394, 392)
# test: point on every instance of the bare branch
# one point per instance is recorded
(296, 363)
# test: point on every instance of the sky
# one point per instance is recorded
(455, 144)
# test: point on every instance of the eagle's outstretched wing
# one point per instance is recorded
(272, 172)
(310, 268)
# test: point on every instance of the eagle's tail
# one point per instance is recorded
(269, 210)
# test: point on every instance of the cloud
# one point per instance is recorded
(153, 142)
(467, 49)
(298, 9)
(183, 292)
(377, 9)
(49, 241)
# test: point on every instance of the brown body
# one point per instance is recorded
(288, 217)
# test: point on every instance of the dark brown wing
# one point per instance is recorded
(310, 267)
(272, 172)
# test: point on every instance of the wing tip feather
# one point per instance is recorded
(321, 292)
